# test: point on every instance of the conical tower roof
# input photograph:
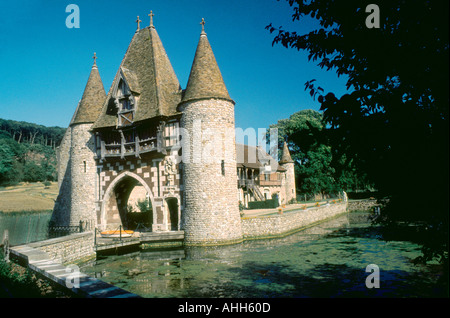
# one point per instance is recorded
(149, 73)
(286, 156)
(205, 80)
(91, 103)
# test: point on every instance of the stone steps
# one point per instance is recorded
(67, 276)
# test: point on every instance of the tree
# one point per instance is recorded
(34, 172)
(10, 154)
(393, 122)
(312, 153)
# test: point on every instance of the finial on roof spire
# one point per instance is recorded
(151, 15)
(203, 26)
(138, 21)
(95, 60)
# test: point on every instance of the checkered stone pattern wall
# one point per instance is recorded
(148, 171)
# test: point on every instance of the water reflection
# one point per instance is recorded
(327, 260)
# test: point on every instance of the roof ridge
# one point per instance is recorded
(154, 62)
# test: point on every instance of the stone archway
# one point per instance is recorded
(120, 204)
(173, 213)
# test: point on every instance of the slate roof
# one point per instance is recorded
(150, 76)
(91, 103)
(205, 80)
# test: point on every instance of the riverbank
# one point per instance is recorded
(19, 282)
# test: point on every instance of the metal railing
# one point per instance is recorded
(62, 230)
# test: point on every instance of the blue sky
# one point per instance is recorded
(45, 65)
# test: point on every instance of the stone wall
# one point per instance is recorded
(68, 249)
(291, 193)
(83, 175)
(62, 207)
(288, 222)
(211, 214)
(362, 205)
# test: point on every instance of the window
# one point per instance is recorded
(223, 167)
(122, 89)
(171, 134)
(125, 104)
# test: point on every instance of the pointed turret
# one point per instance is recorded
(76, 163)
(205, 80)
(290, 195)
(211, 211)
(286, 156)
(150, 77)
(93, 98)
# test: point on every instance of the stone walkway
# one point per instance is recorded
(66, 276)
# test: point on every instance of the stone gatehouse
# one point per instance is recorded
(149, 154)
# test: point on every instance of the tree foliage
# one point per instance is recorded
(311, 150)
(27, 152)
(393, 122)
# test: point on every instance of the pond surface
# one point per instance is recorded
(328, 260)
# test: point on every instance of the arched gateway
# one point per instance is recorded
(123, 198)
(129, 201)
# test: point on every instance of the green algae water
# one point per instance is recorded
(327, 260)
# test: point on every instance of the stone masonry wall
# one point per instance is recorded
(68, 249)
(290, 189)
(61, 210)
(63, 155)
(211, 214)
(283, 224)
(83, 175)
(362, 205)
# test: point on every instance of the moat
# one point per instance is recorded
(328, 260)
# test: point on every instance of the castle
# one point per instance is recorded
(150, 143)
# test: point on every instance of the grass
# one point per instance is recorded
(28, 197)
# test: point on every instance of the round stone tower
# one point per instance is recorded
(287, 163)
(82, 150)
(211, 212)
